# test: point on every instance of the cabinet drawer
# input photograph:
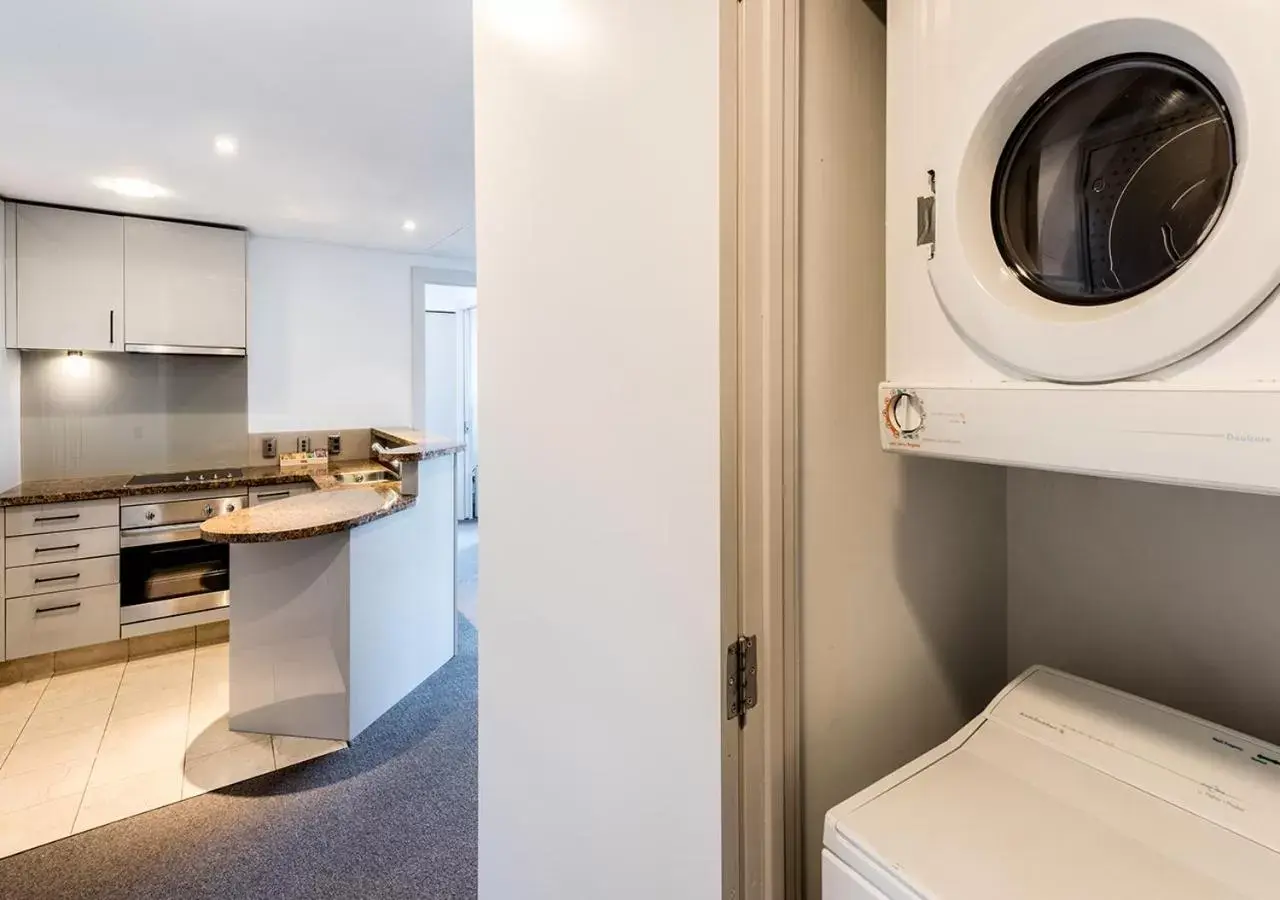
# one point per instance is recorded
(61, 621)
(20, 520)
(259, 496)
(62, 576)
(33, 549)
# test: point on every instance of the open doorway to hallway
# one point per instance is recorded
(446, 402)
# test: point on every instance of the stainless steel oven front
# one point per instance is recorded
(166, 569)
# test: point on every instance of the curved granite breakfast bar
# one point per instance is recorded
(327, 511)
(342, 599)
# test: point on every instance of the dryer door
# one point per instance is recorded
(1107, 188)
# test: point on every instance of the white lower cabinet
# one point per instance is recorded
(46, 623)
(61, 577)
(50, 578)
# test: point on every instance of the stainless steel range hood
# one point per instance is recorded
(176, 350)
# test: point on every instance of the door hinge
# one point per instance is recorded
(741, 678)
(926, 217)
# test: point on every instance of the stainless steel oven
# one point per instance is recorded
(166, 569)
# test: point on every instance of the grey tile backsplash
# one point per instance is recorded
(116, 413)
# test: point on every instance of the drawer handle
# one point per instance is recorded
(67, 518)
(273, 494)
(56, 549)
(40, 610)
(57, 578)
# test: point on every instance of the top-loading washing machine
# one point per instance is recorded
(1084, 237)
(1064, 789)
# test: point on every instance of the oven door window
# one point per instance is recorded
(167, 571)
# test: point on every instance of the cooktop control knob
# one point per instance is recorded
(908, 413)
(231, 507)
(151, 514)
(208, 510)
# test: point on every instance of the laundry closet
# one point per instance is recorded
(1045, 319)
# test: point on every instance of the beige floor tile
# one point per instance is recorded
(20, 699)
(135, 700)
(60, 720)
(211, 695)
(162, 660)
(85, 686)
(129, 796)
(152, 677)
(134, 758)
(207, 735)
(227, 767)
(9, 732)
(74, 746)
(41, 785)
(142, 742)
(290, 750)
(37, 825)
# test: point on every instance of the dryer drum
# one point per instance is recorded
(1113, 179)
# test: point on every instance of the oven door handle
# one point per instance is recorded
(160, 534)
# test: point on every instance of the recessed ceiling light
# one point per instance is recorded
(132, 187)
(409, 225)
(226, 145)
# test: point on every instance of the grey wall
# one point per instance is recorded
(1171, 593)
(103, 414)
(902, 562)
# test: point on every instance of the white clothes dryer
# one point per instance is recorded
(1065, 789)
(1084, 237)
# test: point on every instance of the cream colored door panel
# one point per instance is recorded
(61, 621)
(184, 285)
(51, 517)
(50, 578)
(34, 549)
(69, 279)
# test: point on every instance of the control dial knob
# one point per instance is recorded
(208, 510)
(908, 413)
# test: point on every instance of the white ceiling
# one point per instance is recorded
(351, 116)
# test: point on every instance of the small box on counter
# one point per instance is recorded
(312, 462)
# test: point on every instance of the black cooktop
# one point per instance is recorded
(185, 477)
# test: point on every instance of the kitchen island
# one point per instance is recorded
(343, 598)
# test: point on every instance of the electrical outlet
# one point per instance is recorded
(335, 445)
(269, 448)
(304, 444)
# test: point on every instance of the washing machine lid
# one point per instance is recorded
(1096, 142)
(1066, 789)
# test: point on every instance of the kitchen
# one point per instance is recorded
(146, 504)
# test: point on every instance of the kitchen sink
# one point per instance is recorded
(365, 476)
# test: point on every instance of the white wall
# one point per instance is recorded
(9, 395)
(597, 142)
(1171, 593)
(449, 297)
(330, 336)
(902, 562)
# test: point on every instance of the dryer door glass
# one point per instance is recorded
(1113, 179)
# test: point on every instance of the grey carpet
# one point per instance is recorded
(394, 816)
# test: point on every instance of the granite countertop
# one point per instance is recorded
(333, 508)
(106, 487)
(405, 443)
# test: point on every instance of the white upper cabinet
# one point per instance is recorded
(184, 286)
(68, 279)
